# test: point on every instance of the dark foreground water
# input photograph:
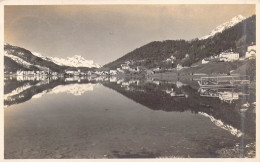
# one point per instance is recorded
(124, 118)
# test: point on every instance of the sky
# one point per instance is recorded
(103, 33)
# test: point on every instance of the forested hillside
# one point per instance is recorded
(155, 53)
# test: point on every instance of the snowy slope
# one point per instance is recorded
(21, 61)
(17, 59)
(75, 61)
(225, 26)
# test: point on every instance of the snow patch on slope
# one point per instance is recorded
(225, 26)
(21, 61)
(17, 59)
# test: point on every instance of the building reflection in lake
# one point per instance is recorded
(224, 94)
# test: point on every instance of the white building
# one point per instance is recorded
(21, 73)
(171, 59)
(205, 61)
(250, 48)
(102, 72)
(113, 79)
(125, 66)
(229, 56)
(179, 67)
(179, 84)
(54, 73)
(157, 69)
(113, 72)
(251, 52)
(127, 62)
(120, 70)
(73, 72)
(228, 96)
(137, 69)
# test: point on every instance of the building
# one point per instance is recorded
(179, 67)
(19, 73)
(72, 72)
(157, 69)
(179, 84)
(127, 62)
(101, 72)
(229, 56)
(137, 69)
(113, 72)
(228, 96)
(134, 70)
(31, 73)
(250, 48)
(125, 66)
(205, 61)
(113, 79)
(120, 70)
(54, 73)
(250, 55)
(171, 59)
(251, 52)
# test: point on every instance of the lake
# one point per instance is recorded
(104, 117)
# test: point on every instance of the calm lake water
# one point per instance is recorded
(124, 118)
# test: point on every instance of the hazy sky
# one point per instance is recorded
(104, 33)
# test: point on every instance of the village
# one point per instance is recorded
(230, 56)
(129, 67)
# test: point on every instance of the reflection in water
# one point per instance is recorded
(17, 91)
(39, 95)
(224, 94)
(220, 124)
(221, 106)
(34, 78)
(75, 89)
(170, 96)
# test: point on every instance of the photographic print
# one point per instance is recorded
(129, 81)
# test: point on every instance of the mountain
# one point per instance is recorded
(154, 54)
(225, 26)
(75, 61)
(17, 58)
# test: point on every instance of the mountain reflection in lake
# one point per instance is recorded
(105, 117)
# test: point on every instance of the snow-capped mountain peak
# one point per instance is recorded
(74, 61)
(225, 26)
